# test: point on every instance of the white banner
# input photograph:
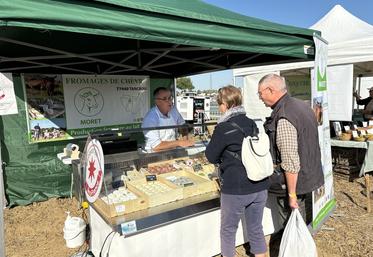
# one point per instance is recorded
(340, 85)
(254, 107)
(105, 100)
(8, 104)
(323, 198)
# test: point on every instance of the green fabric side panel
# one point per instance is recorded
(33, 172)
(92, 18)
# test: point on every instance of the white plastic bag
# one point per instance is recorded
(297, 241)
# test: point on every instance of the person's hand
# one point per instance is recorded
(356, 94)
(186, 142)
(293, 201)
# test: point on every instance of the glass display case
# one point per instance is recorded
(144, 190)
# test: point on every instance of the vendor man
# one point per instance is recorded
(368, 104)
(163, 113)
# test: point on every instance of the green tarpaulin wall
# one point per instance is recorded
(162, 39)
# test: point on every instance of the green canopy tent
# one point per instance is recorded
(162, 39)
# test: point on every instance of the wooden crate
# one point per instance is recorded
(201, 185)
(169, 163)
(205, 171)
(156, 199)
(113, 210)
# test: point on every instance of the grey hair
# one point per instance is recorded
(276, 81)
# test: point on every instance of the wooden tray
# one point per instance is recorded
(201, 185)
(156, 199)
(113, 210)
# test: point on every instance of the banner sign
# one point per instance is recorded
(321, 57)
(299, 86)
(104, 101)
(323, 197)
(64, 107)
(8, 104)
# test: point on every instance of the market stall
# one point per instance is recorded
(167, 200)
(160, 40)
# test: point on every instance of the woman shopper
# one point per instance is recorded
(239, 195)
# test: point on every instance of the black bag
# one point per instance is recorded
(277, 183)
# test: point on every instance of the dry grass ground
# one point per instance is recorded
(36, 230)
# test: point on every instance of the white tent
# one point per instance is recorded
(350, 56)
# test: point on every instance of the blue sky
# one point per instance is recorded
(300, 13)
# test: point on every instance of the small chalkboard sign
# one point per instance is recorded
(197, 167)
(151, 177)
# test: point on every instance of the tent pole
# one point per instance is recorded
(2, 206)
(320, 38)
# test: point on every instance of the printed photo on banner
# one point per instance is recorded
(317, 106)
(45, 107)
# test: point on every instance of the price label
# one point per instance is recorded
(363, 132)
(371, 123)
(151, 177)
(120, 208)
(365, 124)
(347, 128)
(354, 133)
(128, 227)
(355, 126)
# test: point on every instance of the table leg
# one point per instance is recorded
(71, 186)
(367, 186)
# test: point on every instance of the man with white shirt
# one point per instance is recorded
(163, 114)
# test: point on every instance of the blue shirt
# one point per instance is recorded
(154, 118)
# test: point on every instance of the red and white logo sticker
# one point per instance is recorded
(94, 170)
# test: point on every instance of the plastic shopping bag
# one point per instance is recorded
(296, 240)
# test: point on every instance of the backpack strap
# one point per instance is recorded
(254, 137)
(234, 154)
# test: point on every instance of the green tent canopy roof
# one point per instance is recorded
(160, 38)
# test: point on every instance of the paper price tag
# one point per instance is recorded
(354, 133)
(120, 208)
(363, 132)
(365, 124)
(355, 126)
(371, 123)
(347, 128)
(128, 227)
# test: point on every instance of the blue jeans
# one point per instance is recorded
(232, 208)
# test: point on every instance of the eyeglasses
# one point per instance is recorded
(166, 99)
(260, 92)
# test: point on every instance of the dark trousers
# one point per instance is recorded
(305, 208)
(233, 207)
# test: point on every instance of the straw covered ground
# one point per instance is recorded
(37, 229)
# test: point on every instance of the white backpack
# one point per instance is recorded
(255, 155)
